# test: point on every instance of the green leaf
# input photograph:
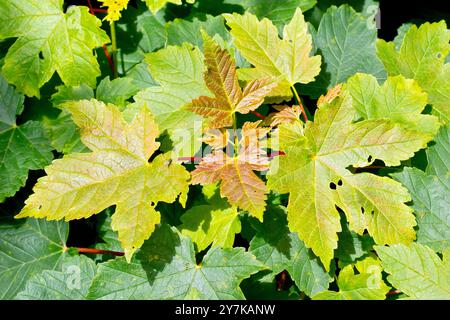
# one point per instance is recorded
(314, 172)
(214, 223)
(439, 153)
(180, 30)
(422, 57)
(416, 270)
(179, 71)
(116, 172)
(164, 264)
(365, 285)
(346, 41)
(283, 250)
(431, 205)
(64, 40)
(281, 11)
(27, 248)
(117, 91)
(72, 283)
(288, 58)
(22, 147)
(399, 99)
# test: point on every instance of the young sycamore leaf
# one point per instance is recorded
(346, 41)
(422, 56)
(288, 58)
(279, 249)
(22, 147)
(72, 282)
(222, 81)
(365, 285)
(239, 184)
(49, 40)
(416, 270)
(399, 99)
(116, 172)
(314, 172)
(28, 247)
(165, 268)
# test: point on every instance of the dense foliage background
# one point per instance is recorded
(209, 243)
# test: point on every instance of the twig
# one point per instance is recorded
(98, 251)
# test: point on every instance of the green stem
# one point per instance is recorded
(299, 102)
(114, 48)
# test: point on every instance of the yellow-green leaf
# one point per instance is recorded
(399, 99)
(289, 58)
(49, 40)
(116, 172)
(422, 56)
(315, 173)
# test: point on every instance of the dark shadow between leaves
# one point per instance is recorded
(158, 251)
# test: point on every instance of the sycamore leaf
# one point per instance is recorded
(163, 265)
(439, 153)
(179, 71)
(416, 270)
(280, 250)
(314, 172)
(365, 285)
(289, 58)
(279, 12)
(346, 40)
(222, 81)
(71, 283)
(399, 99)
(214, 223)
(239, 184)
(116, 172)
(117, 91)
(49, 40)
(431, 205)
(181, 30)
(27, 248)
(421, 56)
(22, 147)
(156, 5)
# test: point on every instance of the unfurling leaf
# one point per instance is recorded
(22, 147)
(116, 172)
(241, 186)
(422, 56)
(416, 270)
(49, 40)
(365, 285)
(222, 81)
(288, 58)
(315, 172)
